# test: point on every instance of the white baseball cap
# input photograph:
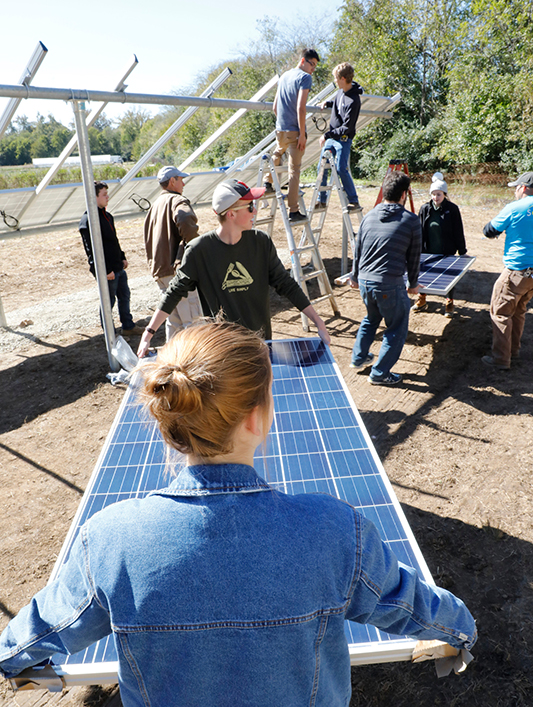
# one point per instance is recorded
(228, 193)
(166, 173)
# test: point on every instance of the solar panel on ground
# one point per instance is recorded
(441, 273)
(317, 444)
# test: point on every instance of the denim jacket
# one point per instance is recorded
(221, 591)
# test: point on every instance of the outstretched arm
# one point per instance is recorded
(155, 322)
(303, 94)
(323, 333)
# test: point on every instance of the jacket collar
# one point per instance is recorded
(205, 479)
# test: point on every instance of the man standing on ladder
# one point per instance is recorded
(291, 137)
(344, 113)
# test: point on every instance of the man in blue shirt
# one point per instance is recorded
(289, 107)
(514, 288)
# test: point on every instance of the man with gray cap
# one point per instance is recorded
(169, 225)
(514, 288)
(233, 268)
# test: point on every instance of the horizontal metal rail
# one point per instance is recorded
(76, 94)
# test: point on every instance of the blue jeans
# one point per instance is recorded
(341, 150)
(388, 302)
(119, 290)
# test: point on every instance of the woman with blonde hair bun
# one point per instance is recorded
(219, 589)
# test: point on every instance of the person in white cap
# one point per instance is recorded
(233, 268)
(169, 225)
(514, 288)
(442, 233)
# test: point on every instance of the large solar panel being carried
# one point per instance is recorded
(317, 444)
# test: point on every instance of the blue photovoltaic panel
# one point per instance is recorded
(317, 444)
(440, 273)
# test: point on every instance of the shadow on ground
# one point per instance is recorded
(492, 572)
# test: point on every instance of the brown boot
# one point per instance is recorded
(420, 304)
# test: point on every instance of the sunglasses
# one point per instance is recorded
(249, 206)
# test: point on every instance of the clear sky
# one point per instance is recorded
(90, 44)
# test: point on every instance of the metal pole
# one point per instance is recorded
(26, 78)
(184, 117)
(72, 144)
(3, 320)
(94, 228)
(227, 125)
(73, 140)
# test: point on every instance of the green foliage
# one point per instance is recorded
(464, 69)
(20, 177)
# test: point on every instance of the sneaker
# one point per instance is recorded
(489, 361)
(355, 207)
(448, 311)
(389, 379)
(269, 189)
(320, 206)
(296, 216)
(364, 363)
(420, 304)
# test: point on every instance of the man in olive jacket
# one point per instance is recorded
(169, 225)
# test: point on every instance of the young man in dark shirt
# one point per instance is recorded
(388, 244)
(115, 259)
(233, 268)
(344, 113)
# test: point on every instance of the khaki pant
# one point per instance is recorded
(184, 314)
(510, 296)
(287, 142)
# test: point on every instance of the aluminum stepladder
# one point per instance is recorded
(309, 247)
(327, 163)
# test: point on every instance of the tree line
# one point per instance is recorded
(464, 69)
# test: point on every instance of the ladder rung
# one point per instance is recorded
(322, 299)
(303, 248)
(311, 275)
(260, 221)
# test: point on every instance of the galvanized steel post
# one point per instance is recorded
(94, 227)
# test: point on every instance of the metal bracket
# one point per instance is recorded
(38, 679)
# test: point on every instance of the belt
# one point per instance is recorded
(528, 272)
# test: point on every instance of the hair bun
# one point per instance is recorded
(177, 391)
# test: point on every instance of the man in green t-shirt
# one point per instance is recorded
(233, 268)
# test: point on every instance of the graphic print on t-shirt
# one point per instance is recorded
(237, 278)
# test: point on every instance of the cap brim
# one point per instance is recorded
(514, 184)
(255, 193)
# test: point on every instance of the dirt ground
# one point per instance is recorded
(455, 439)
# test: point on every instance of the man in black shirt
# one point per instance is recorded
(115, 259)
(233, 268)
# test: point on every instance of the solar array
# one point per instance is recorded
(65, 203)
(440, 273)
(317, 444)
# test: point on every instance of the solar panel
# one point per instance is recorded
(65, 203)
(317, 444)
(441, 273)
